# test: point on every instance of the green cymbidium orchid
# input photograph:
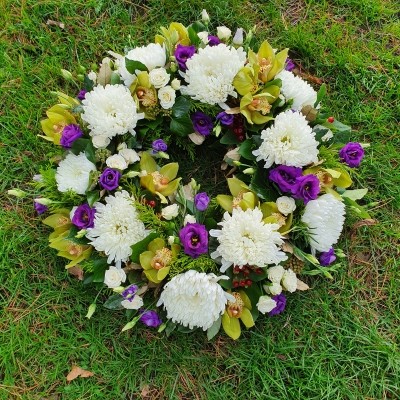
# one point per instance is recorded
(175, 34)
(144, 93)
(271, 215)
(157, 259)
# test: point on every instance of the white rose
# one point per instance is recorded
(203, 36)
(129, 155)
(170, 212)
(116, 161)
(114, 277)
(166, 95)
(223, 32)
(92, 76)
(205, 17)
(289, 281)
(238, 38)
(159, 77)
(286, 205)
(275, 274)
(176, 84)
(266, 304)
(100, 141)
(132, 304)
(273, 289)
(189, 219)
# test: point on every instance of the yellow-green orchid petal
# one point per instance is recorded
(236, 186)
(334, 193)
(175, 248)
(163, 199)
(270, 220)
(145, 259)
(247, 318)
(148, 183)
(143, 79)
(344, 181)
(183, 36)
(58, 220)
(67, 100)
(268, 208)
(265, 51)
(147, 163)
(278, 65)
(225, 202)
(156, 244)
(151, 275)
(231, 326)
(170, 171)
(288, 223)
(171, 187)
(258, 119)
(245, 81)
(246, 299)
(162, 273)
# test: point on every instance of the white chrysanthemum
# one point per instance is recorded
(116, 227)
(290, 141)
(194, 299)
(246, 239)
(275, 274)
(110, 111)
(296, 89)
(324, 218)
(73, 173)
(210, 73)
(152, 56)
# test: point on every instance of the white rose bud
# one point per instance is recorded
(116, 161)
(286, 205)
(238, 38)
(273, 289)
(132, 304)
(205, 17)
(189, 219)
(129, 155)
(171, 240)
(166, 95)
(170, 212)
(92, 76)
(159, 77)
(100, 142)
(223, 32)
(275, 274)
(176, 84)
(114, 277)
(203, 36)
(265, 304)
(289, 281)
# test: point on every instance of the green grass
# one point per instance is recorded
(338, 341)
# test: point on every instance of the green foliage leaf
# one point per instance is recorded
(356, 208)
(194, 29)
(320, 95)
(214, 328)
(182, 126)
(132, 66)
(181, 107)
(114, 302)
(246, 148)
(170, 327)
(92, 197)
(356, 194)
(139, 247)
(229, 138)
(261, 186)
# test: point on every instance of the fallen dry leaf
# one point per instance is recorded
(76, 271)
(302, 285)
(55, 23)
(78, 371)
(364, 222)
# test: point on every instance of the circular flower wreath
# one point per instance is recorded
(168, 253)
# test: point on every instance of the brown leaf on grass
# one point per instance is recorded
(55, 23)
(145, 391)
(78, 371)
(76, 271)
(287, 247)
(364, 222)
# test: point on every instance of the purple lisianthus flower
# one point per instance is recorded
(352, 154)
(202, 123)
(213, 40)
(69, 134)
(182, 54)
(289, 65)
(285, 176)
(129, 292)
(109, 179)
(159, 145)
(327, 257)
(150, 318)
(306, 188)
(84, 216)
(201, 201)
(280, 304)
(40, 208)
(81, 95)
(225, 119)
(194, 238)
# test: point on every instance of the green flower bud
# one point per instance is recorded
(91, 310)
(67, 75)
(17, 193)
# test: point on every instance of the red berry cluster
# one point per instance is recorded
(238, 127)
(242, 275)
(150, 203)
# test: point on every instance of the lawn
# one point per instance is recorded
(339, 340)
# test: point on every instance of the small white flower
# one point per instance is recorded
(289, 281)
(265, 304)
(176, 84)
(166, 95)
(273, 289)
(129, 155)
(275, 274)
(205, 17)
(92, 76)
(100, 141)
(170, 212)
(159, 77)
(132, 304)
(117, 161)
(171, 240)
(285, 204)
(203, 36)
(238, 38)
(189, 219)
(223, 32)
(114, 277)
(72, 212)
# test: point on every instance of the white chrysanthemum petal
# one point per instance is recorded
(116, 227)
(296, 89)
(110, 111)
(73, 173)
(210, 73)
(325, 218)
(193, 299)
(246, 239)
(290, 141)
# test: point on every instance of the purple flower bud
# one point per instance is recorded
(285, 176)
(280, 304)
(352, 154)
(327, 257)
(290, 65)
(150, 319)
(182, 54)
(201, 201)
(40, 208)
(213, 40)
(202, 123)
(109, 179)
(159, 145)
(81, 95)
(306, 188)
(129, 292)
(194, 238)
(84, 216)
(69, 134)
(225, 119)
